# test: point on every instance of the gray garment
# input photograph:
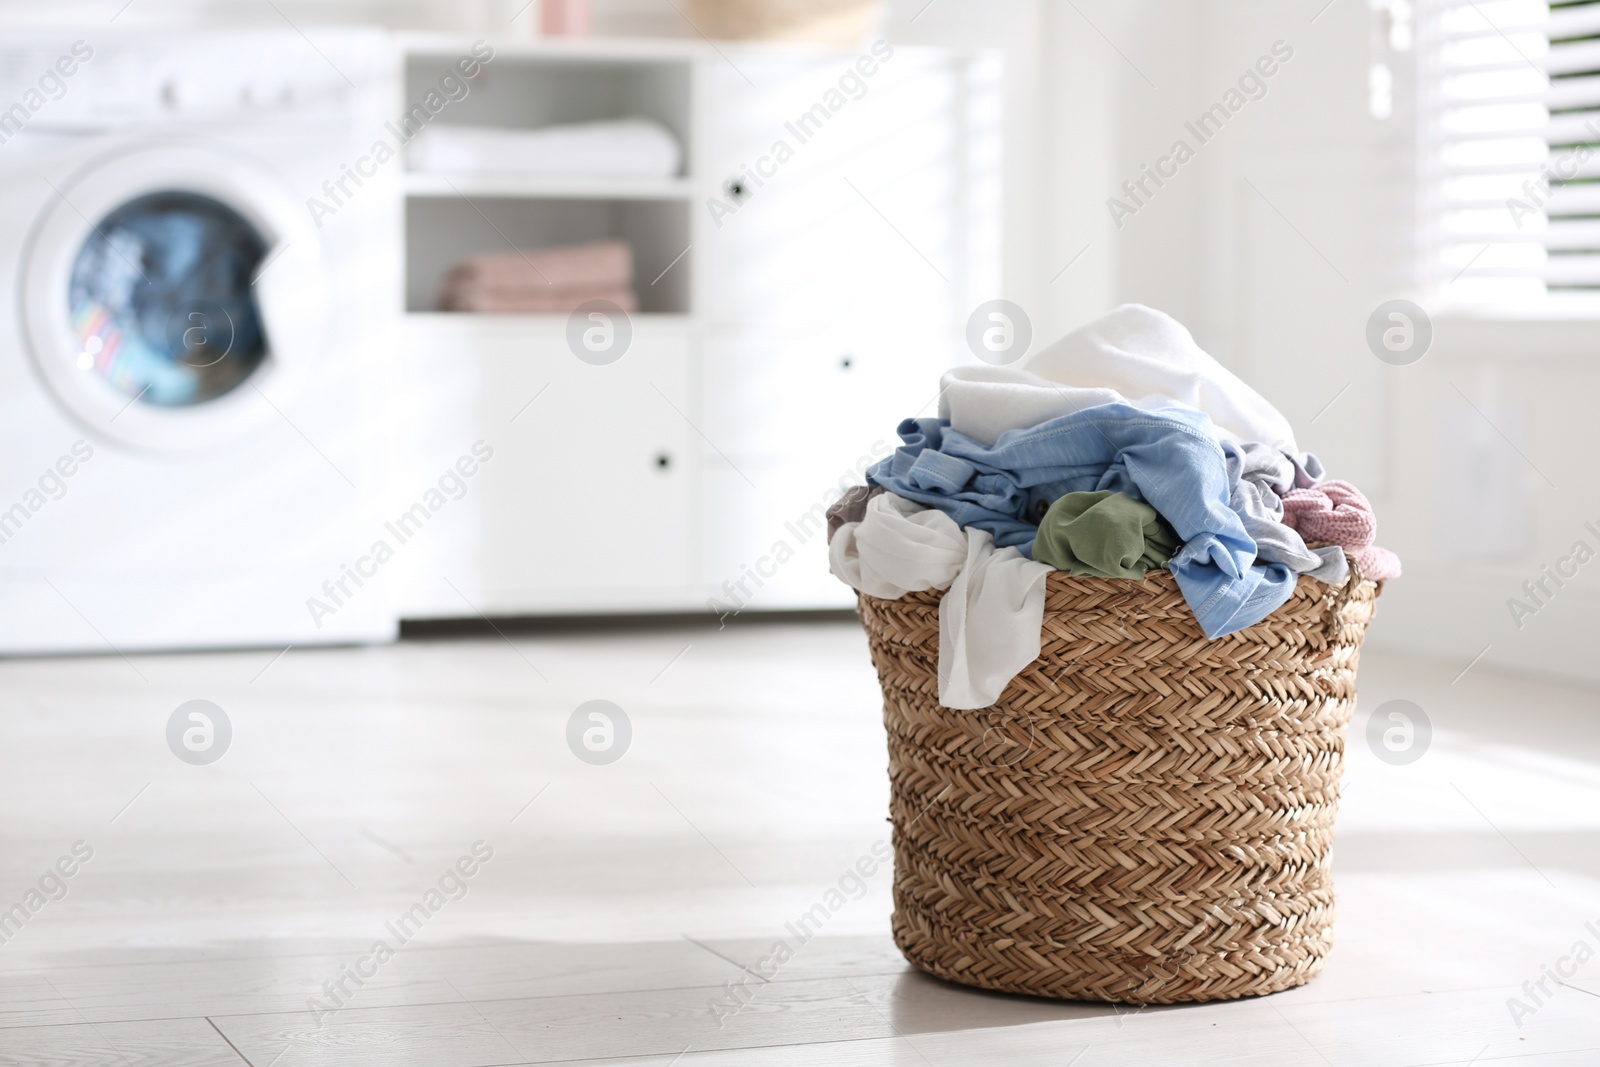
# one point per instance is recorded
(1307, 469)
(852, 507)
(1272, 469)
(1260, 474)
(1335, 567)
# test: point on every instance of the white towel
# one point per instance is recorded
(1133, 354)
(625, 147)
(899, 547)
(984, 402)
(989, 622)
(1142, 352)
(991, 615)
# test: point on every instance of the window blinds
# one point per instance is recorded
(1511, 145)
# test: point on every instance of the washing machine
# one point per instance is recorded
(196, 305)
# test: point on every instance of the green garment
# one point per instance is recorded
(1103, 535)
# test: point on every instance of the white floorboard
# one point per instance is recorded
(621, 899)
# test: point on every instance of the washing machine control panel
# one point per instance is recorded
(143, 80)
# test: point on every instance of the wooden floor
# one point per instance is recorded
(224, 905)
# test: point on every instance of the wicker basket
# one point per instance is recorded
(1145, 816)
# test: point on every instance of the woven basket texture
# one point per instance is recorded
(1144, 816)
(842, 22)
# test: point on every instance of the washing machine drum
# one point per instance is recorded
(161, 300)
(172, 294)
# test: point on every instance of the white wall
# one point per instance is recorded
(1274, 245)
(89, 15)
(1277, 243)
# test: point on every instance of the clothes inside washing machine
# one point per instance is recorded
(162, 300)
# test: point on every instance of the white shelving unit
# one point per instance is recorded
(786, 322)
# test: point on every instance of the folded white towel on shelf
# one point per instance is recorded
(1134, 353)
(992, 611)
(637, 148)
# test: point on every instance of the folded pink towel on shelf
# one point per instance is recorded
(597, 265)
(1338, 513)
(531, 302)
(542, 281)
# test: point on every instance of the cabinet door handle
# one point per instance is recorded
(663, 461)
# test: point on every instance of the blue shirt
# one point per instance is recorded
(1167, 457)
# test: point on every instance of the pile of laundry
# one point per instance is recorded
(1120, 448)
(555, 280)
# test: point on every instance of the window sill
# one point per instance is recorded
(1488, 335)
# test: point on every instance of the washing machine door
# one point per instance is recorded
(174, 296)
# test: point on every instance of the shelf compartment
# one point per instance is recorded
(531, 91)
(443, 231)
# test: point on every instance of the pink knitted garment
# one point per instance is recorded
(1338, 513)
